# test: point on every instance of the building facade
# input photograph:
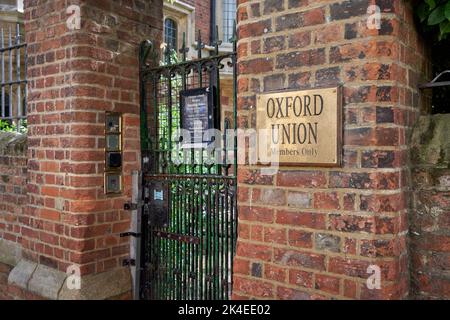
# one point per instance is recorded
(374, 226)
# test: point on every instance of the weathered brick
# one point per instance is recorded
(275, 273)
(275, 235)
(256, 270)
(254, 29)
(303, 219)
(323, 200)
(301, 179)
(328, 242)
(300, 80)
(328, 76)
(252, 251)
(299, 259)
(299, 40)
(348, 9)
(273, 44)
(260, 214)
(350, 223)
(299, 199)
(301, 278)
(301, 58)
(259, 65)
(327, 284)
(274, 82)
(301, 239)
(348, 267)
(254, 288)
(271, 6)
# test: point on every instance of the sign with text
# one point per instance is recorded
(197, 114)
(304, 127)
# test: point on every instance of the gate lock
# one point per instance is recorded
(130, 234)
(130, 206)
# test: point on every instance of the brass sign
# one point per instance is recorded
(304, 127)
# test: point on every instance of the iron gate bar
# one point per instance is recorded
(17, 110)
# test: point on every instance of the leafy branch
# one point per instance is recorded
(12, 127)
(434, 15)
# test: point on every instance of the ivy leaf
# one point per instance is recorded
(447, 10)
(422, 12)
(437, 16)
(431, 4)
(444, 28)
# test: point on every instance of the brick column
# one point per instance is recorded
(312, 233)
(75, 76)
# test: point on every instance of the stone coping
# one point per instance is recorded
(10, 252)
(53, 284)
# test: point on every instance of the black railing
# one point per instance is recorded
(13, 65)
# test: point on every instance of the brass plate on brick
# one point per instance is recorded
(304, 127)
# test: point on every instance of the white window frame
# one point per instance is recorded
(226, 46)
(184, 15)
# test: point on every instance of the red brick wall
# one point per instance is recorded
(311, 233)
(202, 17)
(74, 78)
(13, 181)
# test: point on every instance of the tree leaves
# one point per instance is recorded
(431, 4)
(435, 16)
(422, 11)
(447, 10)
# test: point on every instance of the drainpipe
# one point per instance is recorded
(213, 22)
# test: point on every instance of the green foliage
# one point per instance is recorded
(434, 15)
(169, 58)
(12, 127)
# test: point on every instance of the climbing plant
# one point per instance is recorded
(434, 15)
(434, 18)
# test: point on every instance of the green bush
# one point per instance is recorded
(434, 15)
(12, 127)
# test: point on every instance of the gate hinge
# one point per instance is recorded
(130, 234)
(130, 206)
(128, 263)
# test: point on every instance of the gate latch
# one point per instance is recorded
(130, 234)
(128, 263)
(130, 206)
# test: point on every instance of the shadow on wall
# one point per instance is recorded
(13, 192)
(430, 215)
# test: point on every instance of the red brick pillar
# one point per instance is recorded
(75, 76)
(312, 233)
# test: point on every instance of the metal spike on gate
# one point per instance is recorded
(200, 45)
(234, 38)
(167, 53)
(184, 50)
(217, 42)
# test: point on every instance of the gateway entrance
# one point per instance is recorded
(189, 220)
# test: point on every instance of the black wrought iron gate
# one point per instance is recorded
(189, 220)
